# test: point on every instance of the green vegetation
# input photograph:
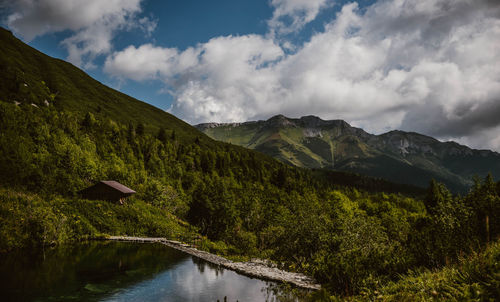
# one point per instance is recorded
(475, 278)
(356, 235)
(29, 220)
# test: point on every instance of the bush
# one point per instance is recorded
(29, 220)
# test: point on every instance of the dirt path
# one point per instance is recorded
(257, 269)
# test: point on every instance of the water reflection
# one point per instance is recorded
(83, 272)
(114, 271)
(196, 280)
(202, 264)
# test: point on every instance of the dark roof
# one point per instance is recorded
(118, 186)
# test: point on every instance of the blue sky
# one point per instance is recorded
(430, 66)
(179, 24)
(183, 24)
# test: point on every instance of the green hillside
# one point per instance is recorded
(354, 234)
(31, 77)
(398, 156)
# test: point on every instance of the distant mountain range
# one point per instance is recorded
(398, 156)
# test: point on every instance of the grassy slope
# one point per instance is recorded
(72, 89)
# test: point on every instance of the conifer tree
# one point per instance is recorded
(162, 135)
(140, 129)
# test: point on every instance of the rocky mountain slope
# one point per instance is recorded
(404, 157)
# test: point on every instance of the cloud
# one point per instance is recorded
(291, 15)
(431, 66)
(232, 67)
(92, 23)
(142, 63)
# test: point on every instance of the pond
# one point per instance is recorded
(123, 271)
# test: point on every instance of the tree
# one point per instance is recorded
(140, 129)
(436, 194)
(130, 133)
(88, 121)
(162, 135)
(488, 204)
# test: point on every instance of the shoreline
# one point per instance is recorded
(251, 269)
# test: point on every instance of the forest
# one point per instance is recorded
(358, 238)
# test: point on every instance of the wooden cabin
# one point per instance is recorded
(109, 190)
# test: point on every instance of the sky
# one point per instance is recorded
(428, 66)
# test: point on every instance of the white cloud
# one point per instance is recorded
(237, 68)
(92, 23)
(291, 15)
(144, 62)
(430, 66)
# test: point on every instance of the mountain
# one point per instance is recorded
(398, 156)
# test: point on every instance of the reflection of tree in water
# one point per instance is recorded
(274, 292)
(281, 292)
(202, 264)
(225, 299)
(86, 271)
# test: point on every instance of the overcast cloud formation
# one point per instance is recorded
(93, 23)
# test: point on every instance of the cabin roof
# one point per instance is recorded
(118, 186)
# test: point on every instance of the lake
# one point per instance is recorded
(123, 271)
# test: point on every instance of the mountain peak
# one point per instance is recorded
(307, 121)
(311, 117)
(280, 121)
(312, 121)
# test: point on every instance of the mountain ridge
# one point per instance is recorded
(312, 142)
(204, 126)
